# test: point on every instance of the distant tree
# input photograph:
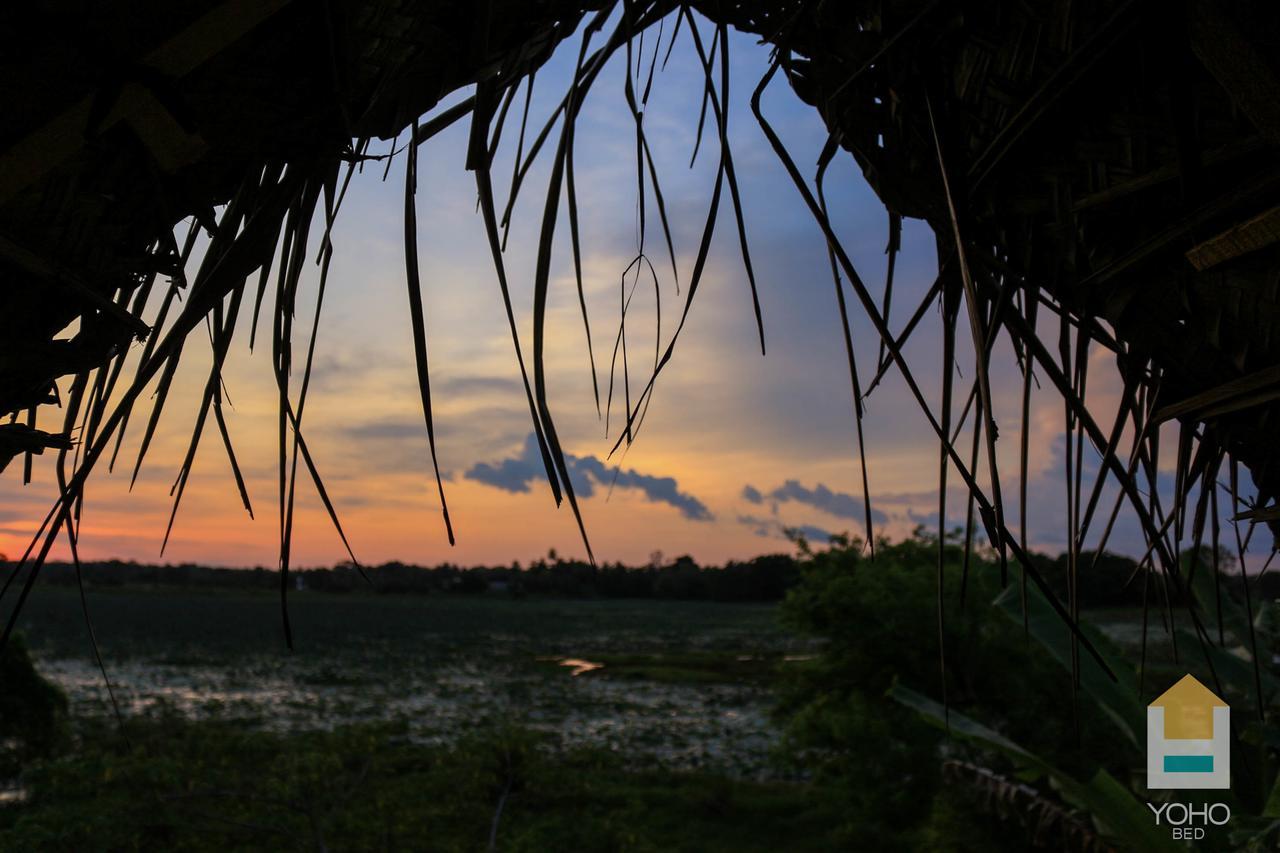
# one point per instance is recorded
(681, 579)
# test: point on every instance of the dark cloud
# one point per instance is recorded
(813, 535)
(839, 504)
(517, 473)
(771, 528)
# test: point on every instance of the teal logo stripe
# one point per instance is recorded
(1188, 764)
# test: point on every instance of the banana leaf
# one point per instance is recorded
(1117, 698)
(1119, 816)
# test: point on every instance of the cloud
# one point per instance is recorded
(471, 385)
(771, 528)
(812, 534)
(913, 498)
(1047, 511)
(395, 443)
(929, 520)
(839, 504)
(515, 474)
(395, 428)
(760, 526)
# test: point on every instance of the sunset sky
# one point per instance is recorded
(735, 446)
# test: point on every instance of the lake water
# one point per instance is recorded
(544, 666)
(724, 726)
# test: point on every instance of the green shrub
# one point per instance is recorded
(880, 624)
(33, 711)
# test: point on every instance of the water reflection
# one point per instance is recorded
(577, 666)
(724, 727)
(12, 795)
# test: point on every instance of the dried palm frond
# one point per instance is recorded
(1049, 824)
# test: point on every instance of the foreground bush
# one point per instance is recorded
(178, 785)
(32, 710)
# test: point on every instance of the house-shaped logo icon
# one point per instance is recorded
(1188, 738)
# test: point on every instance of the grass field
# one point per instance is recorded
(215, 786)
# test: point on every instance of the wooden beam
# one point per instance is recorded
(1248, 236)
(40, 152)
(1165, 173)
(1262, 184)
(1252, 390)
(1237, 64)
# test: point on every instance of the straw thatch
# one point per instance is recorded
(1112, 165)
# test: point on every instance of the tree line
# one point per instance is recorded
(1110, 580)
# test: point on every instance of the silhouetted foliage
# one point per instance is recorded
(765, 578)
(1113, 582)
(32, 710)
(879, 619)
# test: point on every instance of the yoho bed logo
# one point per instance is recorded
(1189, 747)
(1188, 738)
